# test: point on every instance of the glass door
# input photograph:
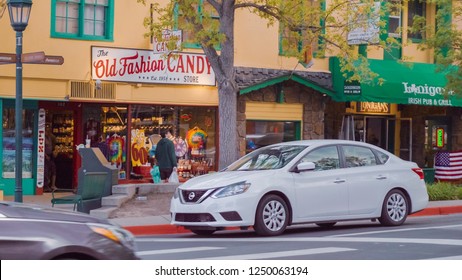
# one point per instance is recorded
(404, 142)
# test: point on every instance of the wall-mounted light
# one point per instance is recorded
(98, 84)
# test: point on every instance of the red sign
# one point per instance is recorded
(143, 66)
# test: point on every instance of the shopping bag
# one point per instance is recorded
(174, 177)
(155, 173)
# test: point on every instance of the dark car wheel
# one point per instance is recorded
(272, 216)
(394, 209)
(203, 232)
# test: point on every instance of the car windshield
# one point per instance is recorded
(267, 158)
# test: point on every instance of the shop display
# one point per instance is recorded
(196, 139)
(191, 168)
(62, 127)
(116, 145)
(181, 147)
(63, 130)
(113, 122)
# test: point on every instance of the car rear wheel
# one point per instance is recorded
(394, 209)
(203, 232)
(272, 216)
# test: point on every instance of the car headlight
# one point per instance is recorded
(115, 233)
(176, 193)
(230, 190)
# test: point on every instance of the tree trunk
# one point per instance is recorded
(228, 140)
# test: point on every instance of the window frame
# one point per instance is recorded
(399, 17)
(108, 26)
(415, 38)
(282, 29)
(317, 166)
(354, 152)
(176, 14)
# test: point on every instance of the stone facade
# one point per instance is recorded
(314, 104)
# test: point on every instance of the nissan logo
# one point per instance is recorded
(191, 195)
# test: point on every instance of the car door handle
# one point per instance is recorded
(381, 177)
(338, 181)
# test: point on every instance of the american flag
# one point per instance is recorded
(448, 166)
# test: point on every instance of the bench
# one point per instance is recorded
(89, 193)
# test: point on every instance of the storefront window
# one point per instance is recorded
(264, 133)
(193, 130)
(9, 144)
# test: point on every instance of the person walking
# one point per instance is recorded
(165, 156)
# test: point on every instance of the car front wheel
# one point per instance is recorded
(272, 216)
(394, 209)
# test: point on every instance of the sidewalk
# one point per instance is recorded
(150, 225)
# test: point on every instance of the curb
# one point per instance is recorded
(446, 210)
(171, 229)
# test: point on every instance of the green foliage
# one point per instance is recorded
(444, 36)
(444, 191)
(308, 25)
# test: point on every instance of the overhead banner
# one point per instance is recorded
(413, 83)
(144, 66)
(364, 24)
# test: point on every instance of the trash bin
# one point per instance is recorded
(429, 175)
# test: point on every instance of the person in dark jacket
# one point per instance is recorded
(165, 156)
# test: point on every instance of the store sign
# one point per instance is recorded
(439, 137)
(373, 107)
(399, 83)
(41, 148)
(420, 94)
(352, 88)
(167, 36)
(143, 66)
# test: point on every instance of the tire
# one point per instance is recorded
(272, 216)
(326, 225)
(395, 209)
(203, 232)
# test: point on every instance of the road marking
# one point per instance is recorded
(395, 230)
(452, 242)
(174, 251)
(281, 254)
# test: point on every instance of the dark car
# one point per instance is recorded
(33, 232)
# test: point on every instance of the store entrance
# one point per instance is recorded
(391, 134)
(61, 125)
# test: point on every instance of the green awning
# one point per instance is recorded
(414, 83)
(284, 78)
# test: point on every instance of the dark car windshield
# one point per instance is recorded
(271, 157)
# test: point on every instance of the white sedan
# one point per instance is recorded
(310, 181)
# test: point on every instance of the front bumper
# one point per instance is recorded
(237, 210)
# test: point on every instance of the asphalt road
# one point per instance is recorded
(429, 238)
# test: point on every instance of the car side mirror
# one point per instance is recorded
(305, 166)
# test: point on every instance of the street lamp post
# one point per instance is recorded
(19, 11)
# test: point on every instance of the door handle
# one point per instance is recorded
(338, 181)
(381, 177)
